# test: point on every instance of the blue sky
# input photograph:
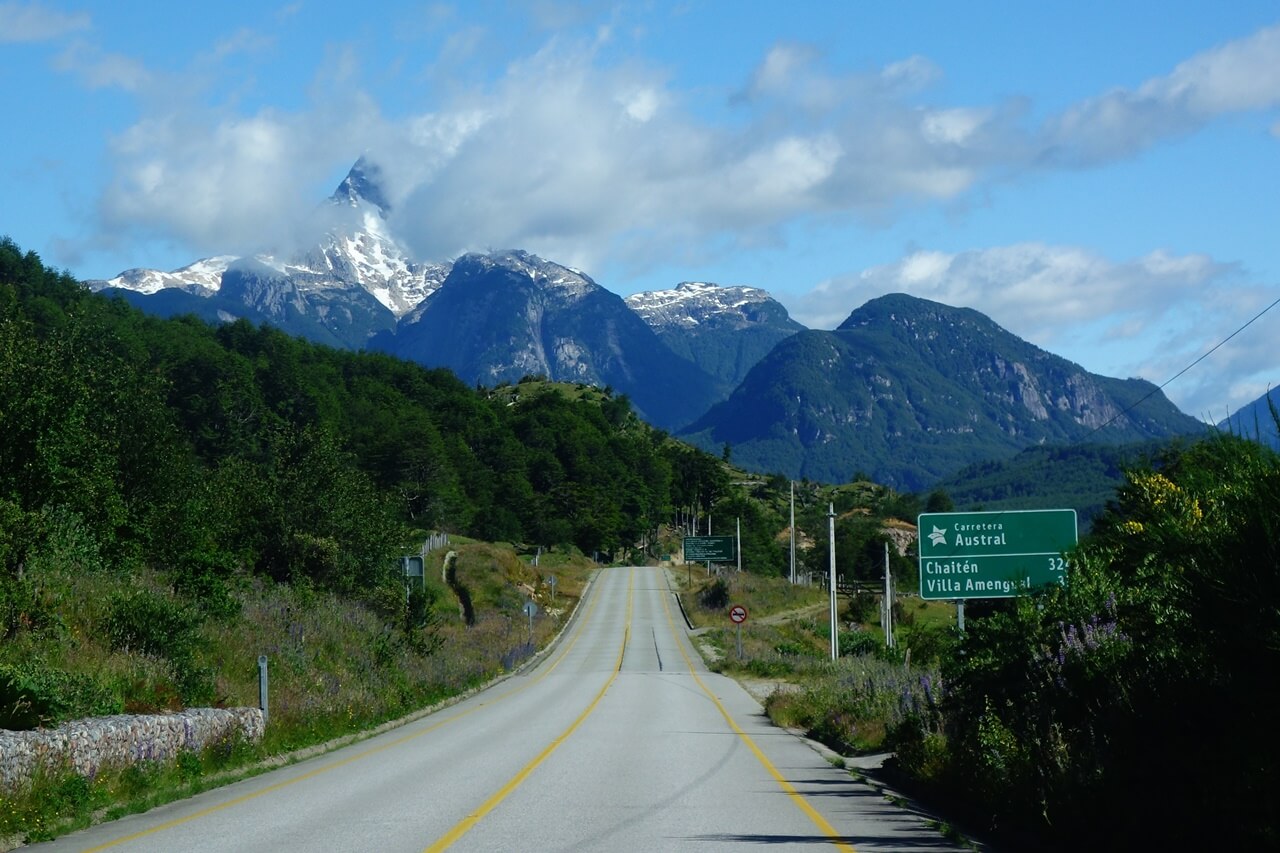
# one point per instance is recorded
(1102, 179)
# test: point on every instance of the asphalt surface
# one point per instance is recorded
(620, 740)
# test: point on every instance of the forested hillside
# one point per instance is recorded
(1083, 477)
(178, 442)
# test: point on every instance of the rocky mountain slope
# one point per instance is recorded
(908, 391)
(723, 330)
(501, 316)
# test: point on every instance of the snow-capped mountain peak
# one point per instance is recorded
(363, 255)
(691, 303)
(203, 277)
(363, 184)
(566, 283)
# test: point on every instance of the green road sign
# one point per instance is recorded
(717, 549)
(993, 554)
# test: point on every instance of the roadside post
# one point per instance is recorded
(738, 615)
(831, 533)
(413, 567)
(530, 609)
(552, 581)
(793, 532)
(889, 641)
(262, 686)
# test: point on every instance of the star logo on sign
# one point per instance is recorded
(938, 536)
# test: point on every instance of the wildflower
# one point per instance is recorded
(1157, 488)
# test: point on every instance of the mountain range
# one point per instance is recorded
(499, 317)
(906, 391)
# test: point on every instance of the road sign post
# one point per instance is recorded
(993, 554)
(262, 686)
(530, 610)
(738, 615)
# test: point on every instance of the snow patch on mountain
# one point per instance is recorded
(692, 303)
(565, 282)
(367, 257)
(202, 278)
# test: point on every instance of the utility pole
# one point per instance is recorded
(831, 533)
(793, 532)
(888, 601)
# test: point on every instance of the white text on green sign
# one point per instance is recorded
(717, 549)
(993, 554)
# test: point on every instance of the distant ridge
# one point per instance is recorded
(909, 391)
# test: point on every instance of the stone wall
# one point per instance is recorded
(87, 746)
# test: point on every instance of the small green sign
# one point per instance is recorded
(412, 566)
(993, 554)
(716, 549)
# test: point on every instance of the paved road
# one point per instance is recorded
(619, 741)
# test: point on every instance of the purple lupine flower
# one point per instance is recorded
(1089, 640)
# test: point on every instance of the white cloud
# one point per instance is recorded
(911, 74)
(1040, 290)
(953, 126)
(98, 70)
(781, 70)
(642, 104)
(233, 186)
(243, 40)
(1239, 76)
(601, 162)
(34, 22)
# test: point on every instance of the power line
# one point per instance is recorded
(1210, 352)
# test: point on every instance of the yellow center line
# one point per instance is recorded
(124, 839)
(796, 797)
(465, 825)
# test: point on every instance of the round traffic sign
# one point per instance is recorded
(738, 613)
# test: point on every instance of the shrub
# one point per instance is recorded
(202, 579)
(862, 607)
(858, 643)
(145, 621)
(33, 695)
(21, 607)
(714, 596)
(795, 648)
